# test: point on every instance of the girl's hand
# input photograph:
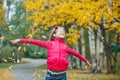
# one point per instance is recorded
(88, 64)
(15, 41)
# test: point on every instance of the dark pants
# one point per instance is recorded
(55, 76)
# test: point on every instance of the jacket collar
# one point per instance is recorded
(59, 40)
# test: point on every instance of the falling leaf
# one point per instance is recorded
(10, 27)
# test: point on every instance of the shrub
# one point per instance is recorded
(9, 54)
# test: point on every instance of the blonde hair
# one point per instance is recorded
(54, 32)
(51, 35)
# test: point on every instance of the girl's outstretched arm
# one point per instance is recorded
(75, 53)
(32, 41)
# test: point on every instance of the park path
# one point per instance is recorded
(27, 71)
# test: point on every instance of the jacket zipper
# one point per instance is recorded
(59, 52)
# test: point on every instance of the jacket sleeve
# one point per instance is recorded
(75, 53)
(41, 43)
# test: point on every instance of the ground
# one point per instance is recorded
(27, 71)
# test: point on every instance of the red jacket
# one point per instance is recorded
(57, 53)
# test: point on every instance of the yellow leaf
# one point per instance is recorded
(10, 27)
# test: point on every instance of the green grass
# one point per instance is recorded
(5, 65)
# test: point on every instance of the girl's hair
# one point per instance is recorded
(54, 32)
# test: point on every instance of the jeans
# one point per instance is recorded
(55, 76)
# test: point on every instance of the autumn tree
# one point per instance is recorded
(97, 14)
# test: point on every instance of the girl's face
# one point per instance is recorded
(60, 33)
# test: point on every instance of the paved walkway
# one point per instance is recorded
(27, 71)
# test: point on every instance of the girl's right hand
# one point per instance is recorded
(15, 41)
(88, 64)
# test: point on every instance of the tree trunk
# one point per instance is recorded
(1, 50)
(106, 47)
(92, 49)
(71, 61)
(99, 51)
(83, 46)
(18, 58)
(77, 60)
(96, 51)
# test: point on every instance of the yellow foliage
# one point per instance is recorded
(78, 12)
(115, 26)
(73, 35)
(2, 14)
(93, 25)
(29, 36)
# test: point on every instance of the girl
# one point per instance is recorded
(57, 62)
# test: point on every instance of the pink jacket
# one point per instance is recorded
(57, 53)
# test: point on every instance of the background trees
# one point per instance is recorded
(15, 19)
(15, 27)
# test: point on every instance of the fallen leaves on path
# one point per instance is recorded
(5, 74)
(84, 75)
